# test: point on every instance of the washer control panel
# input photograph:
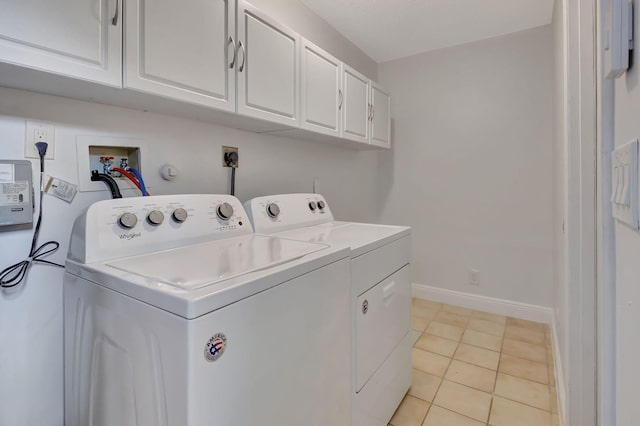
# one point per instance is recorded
(275, 213)
(130, 226)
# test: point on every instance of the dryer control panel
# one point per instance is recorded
(275, 213)
(131, 226)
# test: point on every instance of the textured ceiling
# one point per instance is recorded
(392, 29)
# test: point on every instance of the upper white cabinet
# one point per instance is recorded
(356, 108)
(184, 51)
(380, 117)
(79, 39)
(268, 68)
(321, 90)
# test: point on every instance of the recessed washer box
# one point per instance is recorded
(91, 148)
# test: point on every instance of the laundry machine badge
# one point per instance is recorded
(215, 347)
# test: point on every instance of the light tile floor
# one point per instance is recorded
(473, 368)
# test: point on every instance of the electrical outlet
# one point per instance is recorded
(39, 132)
(474, 277)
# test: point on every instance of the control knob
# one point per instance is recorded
(180, 215)
(312, 205)
(224, 211)
(127, 220)
(155, 217)
(321, 204)
(273, 210)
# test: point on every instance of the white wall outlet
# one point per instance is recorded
(39, 132)
(474, 277)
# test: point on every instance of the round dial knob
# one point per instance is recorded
(321, 204)
(180, 215)
(225, 211)
(127, 220)
(273, 210)
(155, 217)
(312, 205)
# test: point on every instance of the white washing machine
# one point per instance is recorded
(176, 314)
(380, 294)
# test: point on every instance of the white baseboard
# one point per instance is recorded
(560, 385)
(484, 303)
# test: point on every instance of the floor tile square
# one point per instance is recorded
(436, 344)
(426, 303)
(510, 413)
(486, 327)
(444, 330)
(482, 340)
(524, 368)
(439, 416)
(527, 324)
(477, 356)
(424, 386)
(419, 324)
(430, 363)
(452, 319)
(524, 350)
(411, 412)
(456, 309)
(523, 391)
(499, 319)
(523, 334)
(471, 375)
(463, 400)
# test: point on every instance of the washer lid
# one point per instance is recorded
(200, 265)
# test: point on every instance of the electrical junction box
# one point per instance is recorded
(16, 193)
(617, 37)
(624, 184)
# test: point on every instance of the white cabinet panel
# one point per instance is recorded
(355, 111)
(320, 90)
(184, 51)
(380, 116)
(268, 68)
(79, 39)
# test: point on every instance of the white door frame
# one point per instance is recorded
(581, 212)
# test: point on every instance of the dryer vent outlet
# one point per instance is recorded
(230, 156)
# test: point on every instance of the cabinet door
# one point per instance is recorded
(78, 39)
(356, 108)
(183, 51)
(380, 116)
(321, 94)
(268, 68)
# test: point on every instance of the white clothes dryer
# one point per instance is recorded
(176, 314)
(380, 294)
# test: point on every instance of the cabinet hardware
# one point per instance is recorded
(244, 55)
(340, 97)
(373, 112)
(114, 20)
(235, 52)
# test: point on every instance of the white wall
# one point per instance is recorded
(472, 160)
(627, 253)
(31, 317)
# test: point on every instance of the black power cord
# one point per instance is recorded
(15, 274)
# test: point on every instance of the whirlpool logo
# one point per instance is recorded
(130, 236)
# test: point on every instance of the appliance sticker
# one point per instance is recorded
(215, 347)
(6, 172)
(14, 193)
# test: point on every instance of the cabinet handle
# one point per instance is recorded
(235, 52)
(340, 97)
(369, 113)
(244, 56)
(114, 20)
(373, 112)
